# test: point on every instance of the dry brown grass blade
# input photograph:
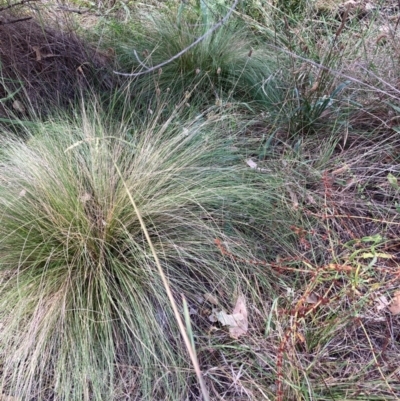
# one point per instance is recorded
(182, 329)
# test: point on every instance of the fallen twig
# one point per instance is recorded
(22, 2)
(15, 20)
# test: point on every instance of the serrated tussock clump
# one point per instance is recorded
(84, 313)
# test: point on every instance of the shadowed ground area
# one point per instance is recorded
(42, 67)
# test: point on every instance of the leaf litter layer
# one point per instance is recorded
(43, 67)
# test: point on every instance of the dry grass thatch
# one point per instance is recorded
(42, 67)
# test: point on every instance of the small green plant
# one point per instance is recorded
(291, 8)
(307, 117)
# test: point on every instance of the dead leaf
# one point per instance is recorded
(252, 164)
(17, 105)
(312, 299)
(242, 324)
(213, 316)
(381, 302)
(395, 304)
(211, 298)
(86, 197)
(38, 53)
(225, 319)
(237, 321)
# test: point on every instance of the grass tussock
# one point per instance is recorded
(228, 65)
(90, 318)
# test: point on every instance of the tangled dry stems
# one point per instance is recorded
(43, 68)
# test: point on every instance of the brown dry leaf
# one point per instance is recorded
(395, 304)
(86, 197)
(381, 303)
(237, 321)
(36, 49)
(242, 324)
(252, 164)
(17, 105)
(312, 299)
